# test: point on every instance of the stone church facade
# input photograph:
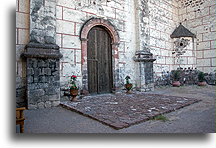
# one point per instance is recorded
(55, 39)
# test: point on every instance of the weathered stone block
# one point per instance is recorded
(41, 105)
(209, 53)
(119, 14)
(71, 42)
(169, 60)
(70, 69)
(213, 62)
(64, 27)
(47, 71)
(213, 44)
(191, 61)
(213, 9)
(30, 79)
(192, 23)
(74, 15)
(203, 45)
(36, 93)
(59, 40)
(160, 60)
(23, 36)
(59, 12)
(109, 12)
(202, 12)
(48, 104)
(114, 4)
(42, 79)
(203, 62)
(68, 55)
(199, 54)
(66, 3)
(51, 90)
(55, 103)
(78, 56)
(55, 97)
(30, 71)
(41, 64)
(209, 36)
(22, 20)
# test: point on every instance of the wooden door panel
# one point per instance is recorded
(92, 62)
(99, 61)
(104, 82)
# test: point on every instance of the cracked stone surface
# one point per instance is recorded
(122, 110)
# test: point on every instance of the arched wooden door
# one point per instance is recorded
(99, 57)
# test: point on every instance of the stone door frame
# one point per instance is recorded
(115, 54)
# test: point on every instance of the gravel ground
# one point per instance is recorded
(196, 118)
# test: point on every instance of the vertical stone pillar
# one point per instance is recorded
(142, 24)
(143, 57)
(42, 56)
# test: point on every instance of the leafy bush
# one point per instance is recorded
(201, 76)
(176, 75)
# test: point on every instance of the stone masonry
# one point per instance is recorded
(42, 57)
(141, 25)
(199, 17)
(43, 86)
(43, 82)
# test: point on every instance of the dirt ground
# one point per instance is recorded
(196, 118)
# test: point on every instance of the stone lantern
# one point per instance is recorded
(184, 49)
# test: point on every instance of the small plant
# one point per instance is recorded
(201, 77)
(73, 82)
(127, 79)
(128, 85)
(176, 75)
(161, 117)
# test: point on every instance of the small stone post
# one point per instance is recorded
(146, 79)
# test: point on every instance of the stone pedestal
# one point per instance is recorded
(42, 56)
(43, 75)
(145, 60)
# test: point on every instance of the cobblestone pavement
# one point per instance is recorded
(195, 118)
(122, 110)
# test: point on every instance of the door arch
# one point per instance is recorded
(114, 39)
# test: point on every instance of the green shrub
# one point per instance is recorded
(201, 76)
(176, 75)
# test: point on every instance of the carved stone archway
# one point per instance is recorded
(115, 42)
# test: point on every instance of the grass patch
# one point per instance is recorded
(161, 117)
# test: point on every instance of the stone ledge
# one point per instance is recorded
(143, 56)
(40, 45)
(39, 55)
(37, 50)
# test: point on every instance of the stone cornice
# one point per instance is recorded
(47, 51)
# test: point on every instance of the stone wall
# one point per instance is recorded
(199, 16)
(72, 15)
(22, 38)
(140, 25)
(163, 21)
(43, 83)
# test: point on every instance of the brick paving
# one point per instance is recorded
(122, 110)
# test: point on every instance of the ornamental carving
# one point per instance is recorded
(180, 46)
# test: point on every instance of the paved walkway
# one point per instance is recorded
(121, 110)
(196, 118)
